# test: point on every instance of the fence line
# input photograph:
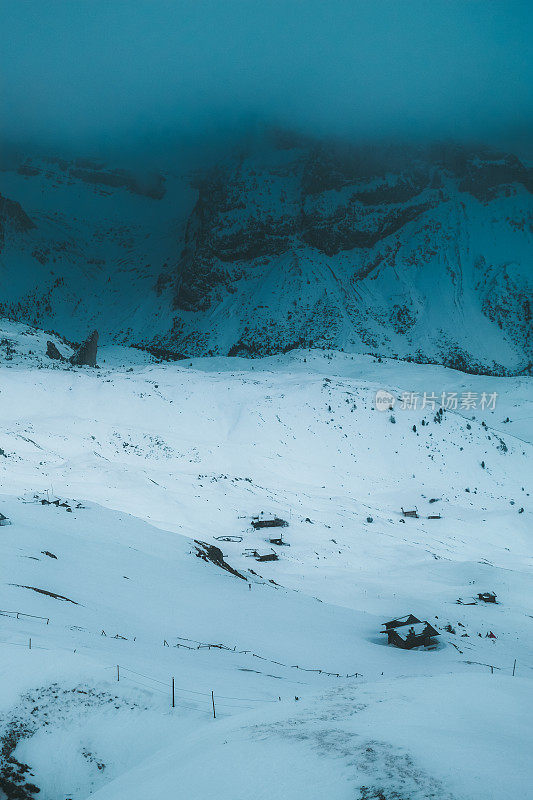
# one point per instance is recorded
(18, 614)
(513, 669)
(148, 677)
(185, 702)
(219, 646)
(208, 645)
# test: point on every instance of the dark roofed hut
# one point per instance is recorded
(279, 541)
(413, 513)
(4, 520)
(409, 619)
(487, 597)
(411, 633)
(268, 557)
(269, 523)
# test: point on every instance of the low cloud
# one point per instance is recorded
(159, 76)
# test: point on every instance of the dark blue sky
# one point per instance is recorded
(86, 71)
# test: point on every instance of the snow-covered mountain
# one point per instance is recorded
(418, 253)
(151, 464)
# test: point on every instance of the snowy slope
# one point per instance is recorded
(422, 253)
(160, 455)
(369, 743)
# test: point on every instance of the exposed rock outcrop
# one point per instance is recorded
(53, 352)
(208, 552)
(13, 216)
(85, 355)
(11, 211)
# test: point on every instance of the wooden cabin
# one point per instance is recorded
(4, 520)
(268, 557)
(228, 538)
(279, 541)
(269, 523)
(487, 597)
(408, 632)
(413, 513)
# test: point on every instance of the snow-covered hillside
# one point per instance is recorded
(151, 462)
(420, 253)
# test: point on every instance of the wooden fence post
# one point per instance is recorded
(514, 667)
(118, 672)
(172, 692)
(30, 644)
(213, 702)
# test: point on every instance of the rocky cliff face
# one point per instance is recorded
(421, 253)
